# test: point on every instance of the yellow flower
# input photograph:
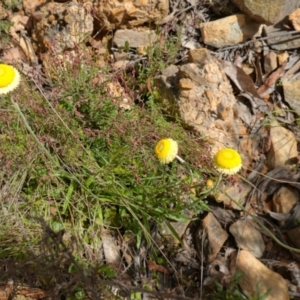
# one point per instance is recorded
(9, 78)
(210, 183)
(227, 161)
(166, 150)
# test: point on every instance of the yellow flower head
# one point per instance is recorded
(9, 78)
(227, 161)
(210, 183)
(166, 150)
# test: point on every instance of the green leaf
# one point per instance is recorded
(126, 46)
(175, 234)
(68, 197)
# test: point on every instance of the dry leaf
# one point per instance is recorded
(295, 68)
(243, 81)
(271, 80)
(154, 266)
(256, 103)
(110, 249)
(274, 180)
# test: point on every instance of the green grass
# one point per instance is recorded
(4, 31)
(74, 160)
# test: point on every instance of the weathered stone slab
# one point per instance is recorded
(211, 236)
(255, 275)
(268, 11)
(228, 31)
(247, 237)
(134, 38)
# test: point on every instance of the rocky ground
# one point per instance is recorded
(234, 77)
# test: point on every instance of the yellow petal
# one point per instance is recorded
(166, 150)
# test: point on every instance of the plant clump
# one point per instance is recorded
(76, 161)
(80, 161)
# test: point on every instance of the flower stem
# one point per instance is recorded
(180, 159)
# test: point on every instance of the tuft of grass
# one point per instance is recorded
(4, 31)
(73, 157)
(158, 56)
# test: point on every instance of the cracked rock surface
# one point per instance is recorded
(61, 26)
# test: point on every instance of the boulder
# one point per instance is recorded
(228, 31)
(201, 95)
(268, 11)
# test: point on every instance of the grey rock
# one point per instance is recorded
(268, 11)
(228, 31)
(247, 237)
(134, 38)
(255, 274)
(270, 62)
(281, 39)
(283, 150)
(285, 199)
(211, 237)
(291, 90)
